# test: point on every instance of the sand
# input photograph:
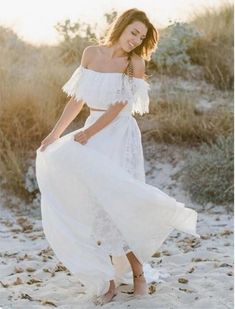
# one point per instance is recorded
(198, 272)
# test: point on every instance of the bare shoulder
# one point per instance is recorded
(139, 66)
(88, 54)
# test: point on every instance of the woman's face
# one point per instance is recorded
(133, 36)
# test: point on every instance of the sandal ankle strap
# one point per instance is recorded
(137, 276)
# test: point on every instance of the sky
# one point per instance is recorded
(34, 20)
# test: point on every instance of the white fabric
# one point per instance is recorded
(91, 87)
(95, 201)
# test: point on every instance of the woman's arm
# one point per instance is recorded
(71, 110)
(100, 123)
(105, 119)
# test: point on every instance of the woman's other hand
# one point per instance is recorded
(82, 137)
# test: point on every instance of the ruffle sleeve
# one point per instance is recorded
(73, 87)
(141, 97)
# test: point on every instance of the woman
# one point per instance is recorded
(100, 217)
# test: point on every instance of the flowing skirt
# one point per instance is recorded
(95, 203)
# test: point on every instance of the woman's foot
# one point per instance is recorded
(108, 296)
(140, 284)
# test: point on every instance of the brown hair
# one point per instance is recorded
(149, 44)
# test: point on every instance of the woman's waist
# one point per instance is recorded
(124, 119)
(96, 111)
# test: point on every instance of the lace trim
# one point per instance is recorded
(100, 90)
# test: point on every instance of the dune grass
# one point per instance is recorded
(179, 121)
(215, 49)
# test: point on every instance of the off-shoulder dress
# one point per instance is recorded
(95, 202)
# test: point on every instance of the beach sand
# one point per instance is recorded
(198, 272)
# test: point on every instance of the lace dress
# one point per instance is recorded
(95, 201)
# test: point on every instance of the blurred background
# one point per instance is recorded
(191, 76)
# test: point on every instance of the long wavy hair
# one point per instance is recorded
(149, 43)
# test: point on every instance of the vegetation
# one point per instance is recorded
(206, 42)
(179, 121)
(31, 99)
(208, 174)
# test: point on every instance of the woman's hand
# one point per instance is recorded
(82, 137)
(47, 141)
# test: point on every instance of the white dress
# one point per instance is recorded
(94, 198)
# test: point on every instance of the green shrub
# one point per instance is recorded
(208, 174)
(171, 55)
